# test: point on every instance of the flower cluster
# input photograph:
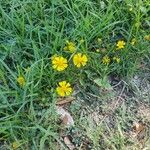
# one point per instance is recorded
(106, 59)
(70, 46)
(119, 45)
(117, 59)
(59, 63)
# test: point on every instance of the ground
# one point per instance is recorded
(74, 74)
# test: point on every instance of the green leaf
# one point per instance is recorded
(103, 82)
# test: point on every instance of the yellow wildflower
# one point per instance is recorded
(133, 41)
(80, 60)
(120, 44)
(106, 60)
(147, 37)
(81, 41)
(117, 59)
(15, 145)
(59, 63)
(99, 40)
(64, 89)
(70, 46)
(21, 81)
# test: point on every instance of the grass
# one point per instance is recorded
(33, 31)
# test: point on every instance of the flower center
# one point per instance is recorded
(60, 63)
(79, 60)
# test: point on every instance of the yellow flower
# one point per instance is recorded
(117, 59)
(120, 44)
(15, 145)
(133, 41)
(99, 40)
(59, 63)
(106, 60)
(147, 37)
(80, 60)
(64, 89)
(70, 46)
(81, 41)
(21, 81)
